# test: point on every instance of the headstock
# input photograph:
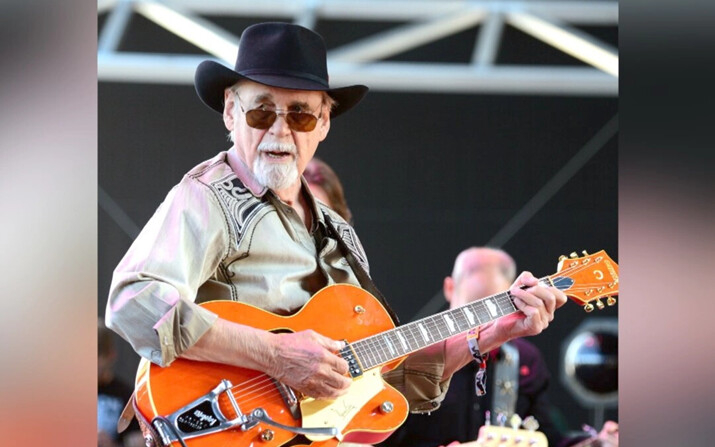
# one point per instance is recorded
(590, 278)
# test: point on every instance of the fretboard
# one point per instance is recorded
(387, 346)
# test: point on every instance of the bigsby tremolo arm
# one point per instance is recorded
(261, 415)
(203, 416)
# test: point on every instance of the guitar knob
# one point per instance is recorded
(359, 309)
(387, 407)
(573, 254)
(267, 435)
(611, 301)
(588, 307)
(562, 257)
(585, 253)
(600, 304)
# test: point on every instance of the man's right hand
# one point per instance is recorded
(307, 362)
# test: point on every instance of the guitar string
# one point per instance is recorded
(433, 322)
(369, 347)
(436, 322)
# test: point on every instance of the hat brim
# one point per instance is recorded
(212, 78)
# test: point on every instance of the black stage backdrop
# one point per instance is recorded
(425, 175)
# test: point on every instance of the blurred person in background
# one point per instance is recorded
(325, 185)
(480, 272)
(112, 395)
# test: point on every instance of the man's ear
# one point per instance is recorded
(228, 106)
(448, 288)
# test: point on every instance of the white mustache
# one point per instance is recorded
(277, 147)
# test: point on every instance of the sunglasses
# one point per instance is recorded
(262, 118)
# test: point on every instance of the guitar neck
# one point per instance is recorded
(388, 346)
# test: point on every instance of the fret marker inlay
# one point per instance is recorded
(470, 316)
(424, 332)
(450, 323)
(402, 341)
(389, 345)
(491, 306)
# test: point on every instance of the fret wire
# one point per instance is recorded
(392, 336)
(446, 319)
(367, 355)
(438, 327)
(375, 350)
(403, 331)
(434, 325)
(462, 321)
(362, 353)
(403, 339)
(413, 333)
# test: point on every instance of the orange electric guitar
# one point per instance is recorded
(202, 404)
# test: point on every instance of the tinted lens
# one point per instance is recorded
(301, 122)
(260, 119)
(263, 119)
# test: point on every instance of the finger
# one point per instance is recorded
(525, 279)
(328, 343)
(531, 312)
(338, 364)
(536, 319)
(548, 297)
(332, 386)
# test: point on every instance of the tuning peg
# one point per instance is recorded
(585, 253)
(530, 423)
(515, 421)
(600, 304)
(611, 301)
(588, 307)
(562, 257)
(501, 419)
(573, 255)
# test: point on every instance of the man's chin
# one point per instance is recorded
(281, 183)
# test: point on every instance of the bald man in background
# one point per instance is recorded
(480, 272)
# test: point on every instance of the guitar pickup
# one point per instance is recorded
(354, 366)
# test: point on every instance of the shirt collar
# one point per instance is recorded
(244, 174)
(249, 180)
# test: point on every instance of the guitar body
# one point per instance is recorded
(331, 312)
(215, 405)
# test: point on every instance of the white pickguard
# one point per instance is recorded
(339, 412)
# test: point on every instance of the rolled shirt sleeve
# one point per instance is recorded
(151, 299)
(419, 379)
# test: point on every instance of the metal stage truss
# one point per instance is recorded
(362, 61)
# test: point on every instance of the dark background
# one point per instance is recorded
(426, 175)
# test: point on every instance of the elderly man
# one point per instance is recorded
(244, 226)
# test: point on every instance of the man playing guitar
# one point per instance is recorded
(243, 226)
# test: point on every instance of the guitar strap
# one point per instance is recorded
(362, 276)
(506, 381)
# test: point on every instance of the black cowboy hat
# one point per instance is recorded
(279, 55)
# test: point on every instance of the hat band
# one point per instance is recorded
(288, 73)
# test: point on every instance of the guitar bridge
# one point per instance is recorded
(203, 417)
